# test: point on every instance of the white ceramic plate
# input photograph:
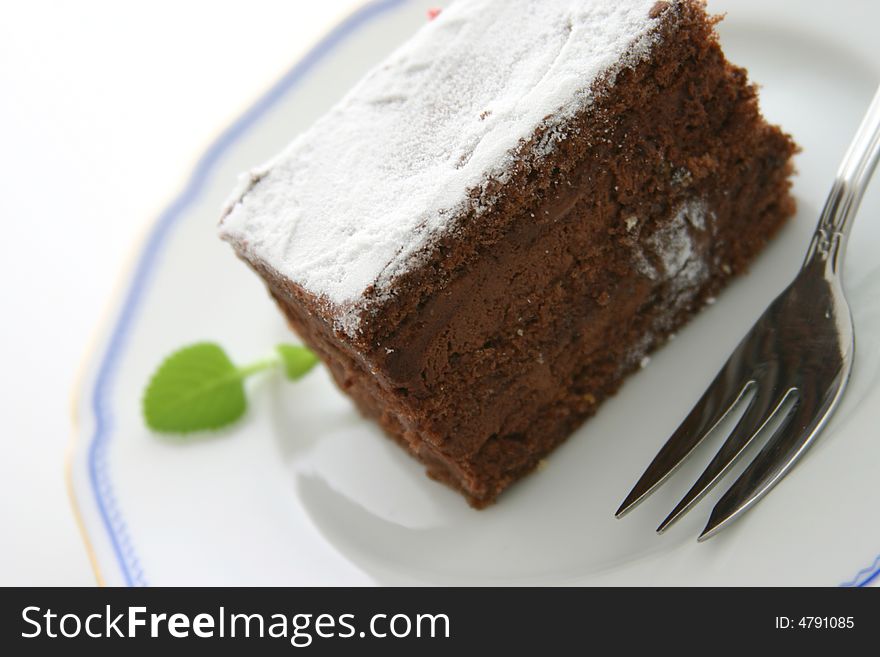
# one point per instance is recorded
(303, 491)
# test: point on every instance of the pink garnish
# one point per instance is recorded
(434, 13)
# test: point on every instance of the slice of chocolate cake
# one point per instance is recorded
(489, 232)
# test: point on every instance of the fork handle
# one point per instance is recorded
(835, 222)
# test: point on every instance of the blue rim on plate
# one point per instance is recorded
(99, 477)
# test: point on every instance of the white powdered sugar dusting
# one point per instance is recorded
(671, 255)
(673, 248)
(353, 201)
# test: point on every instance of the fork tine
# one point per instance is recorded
(728, 387)
(788, 443)
(761, 409)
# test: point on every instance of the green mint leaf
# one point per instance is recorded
(297, 360)
(196, 388)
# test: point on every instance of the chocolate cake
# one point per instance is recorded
(499, 222)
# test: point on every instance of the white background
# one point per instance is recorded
(104, 108)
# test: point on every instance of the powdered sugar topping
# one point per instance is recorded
(352, 202)
(672, 246)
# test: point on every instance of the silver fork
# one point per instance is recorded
(795, 361)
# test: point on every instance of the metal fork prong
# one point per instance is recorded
(761, 410)
(722, 395)
(787, 444)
